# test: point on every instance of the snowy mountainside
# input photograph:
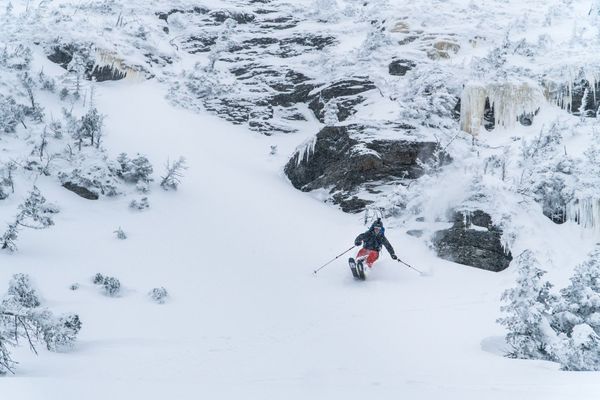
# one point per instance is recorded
(471, 127)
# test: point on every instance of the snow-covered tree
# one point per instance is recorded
(432, 100)
(34, 213)
(90, 128)
(11, 114)
(21, 288)
(136, 170)
(582, 350)
(159, 295)
(173, 174)
(23, 318)
(77, 67)
(110, 284)
(528, 312)
(581, 299)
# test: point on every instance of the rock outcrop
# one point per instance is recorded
(473, 240)
(340, 161)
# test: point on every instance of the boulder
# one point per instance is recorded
(473, 240)
(81, 191)
(346, 92)
(401, 67)
(338, 160)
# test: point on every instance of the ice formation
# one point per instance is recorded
(105, 58)
(586, 212)
(509, 101)
(306, 149)
(561, 93)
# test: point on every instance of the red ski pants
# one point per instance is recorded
(371, 256)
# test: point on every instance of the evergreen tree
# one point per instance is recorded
(581, 299)
(582, 350)
(528, 312)
(20, 287)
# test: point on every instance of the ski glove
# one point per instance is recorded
(357, 242)
(394, 257)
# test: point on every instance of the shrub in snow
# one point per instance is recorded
(20, 287)
(11, 114)
(58, 333)
(46, 83)
(33, 213)
(35, 111)
(98, 279)
(10, 237)
(3, 193)
(142, 204)
(159, 295)
(111, 285)
(528, 312)
(20, 320)
(121, 235)
(74, 286)
(135, 170)
(582, 350)
(17, 58)
(64, 93)
(173, 174)
(89, 128)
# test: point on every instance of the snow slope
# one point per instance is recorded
(236, 247)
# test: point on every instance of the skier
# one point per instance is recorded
(371, 240)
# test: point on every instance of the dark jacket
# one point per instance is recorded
(374, 241)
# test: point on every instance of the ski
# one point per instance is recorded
(361, 270)
(352, 265)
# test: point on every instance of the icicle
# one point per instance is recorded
(306, 149)
(561, 94)
(586, 212)
(105, 58)
(472, 106)
(509, 101)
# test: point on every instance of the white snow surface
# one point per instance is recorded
(236, 247)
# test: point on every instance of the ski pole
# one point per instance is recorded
(410, 266)
(329, 262)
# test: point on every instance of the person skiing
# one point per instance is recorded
(371, 241)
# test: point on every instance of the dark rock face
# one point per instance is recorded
(221, 16)
(583, 93)
(106, 73)
(473, 240)
(342, 163)
(81, 191)
(345, 91)
(489, 119)
(401, 67)
(63, 55)
(199, 44)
